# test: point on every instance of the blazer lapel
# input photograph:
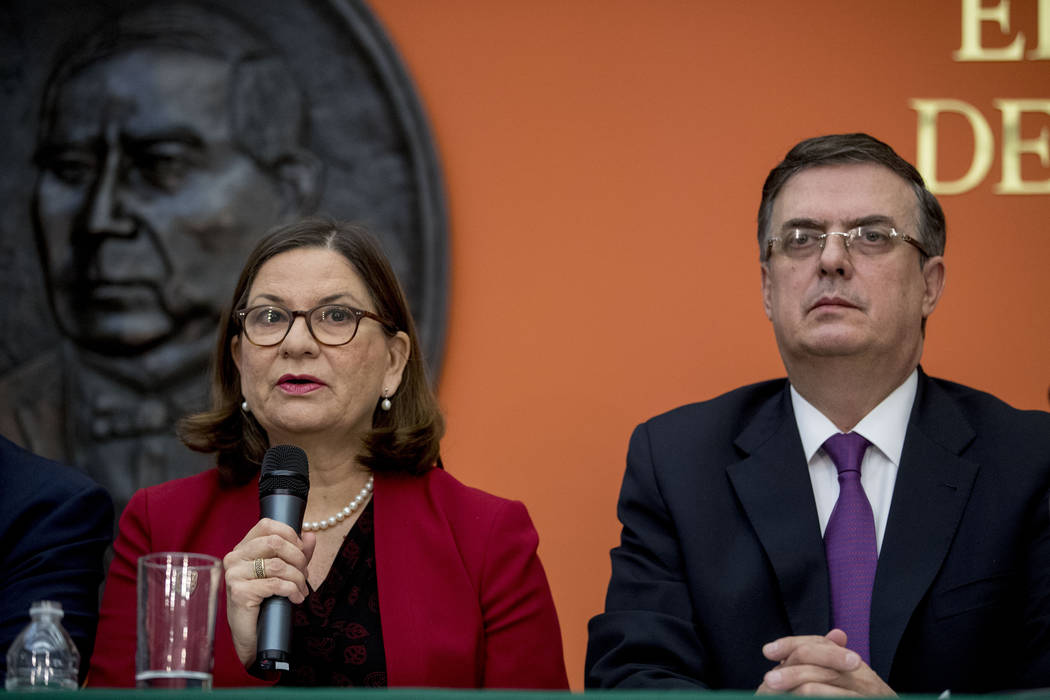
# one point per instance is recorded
(403, 617)
(774, 488)
(933, 486)
(430, 609)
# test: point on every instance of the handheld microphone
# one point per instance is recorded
(284, 482)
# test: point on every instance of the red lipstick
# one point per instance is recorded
(299, 383)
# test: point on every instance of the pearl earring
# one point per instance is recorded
(244, 406)
(385, 403)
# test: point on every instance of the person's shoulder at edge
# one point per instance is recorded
(995, 422)
(48, 480)
(188, 500)
(208, 481)
(459, 502)
(971, 398)
(439, 480)
(722, 412)
(473, 515)
(58, 523)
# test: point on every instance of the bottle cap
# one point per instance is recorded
(46, 606)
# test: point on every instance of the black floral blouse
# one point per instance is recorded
(336, 636)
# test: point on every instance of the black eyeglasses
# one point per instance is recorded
(329, 324)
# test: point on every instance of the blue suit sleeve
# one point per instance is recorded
(646, 637)
(57, 542)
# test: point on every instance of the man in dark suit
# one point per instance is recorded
(55, 526)
(860, 527)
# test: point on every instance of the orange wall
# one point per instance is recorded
(604, 160)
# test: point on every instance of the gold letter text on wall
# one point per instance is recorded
(975, 17)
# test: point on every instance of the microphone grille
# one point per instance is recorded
(284, 468)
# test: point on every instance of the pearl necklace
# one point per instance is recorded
(325, 523)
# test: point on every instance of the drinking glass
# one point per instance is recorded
(177, 594)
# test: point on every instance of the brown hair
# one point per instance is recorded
(404, 439)
(836, 149)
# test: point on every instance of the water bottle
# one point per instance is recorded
(43, 656)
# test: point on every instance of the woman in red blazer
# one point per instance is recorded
(403, 576)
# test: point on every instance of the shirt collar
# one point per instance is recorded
(884, 427)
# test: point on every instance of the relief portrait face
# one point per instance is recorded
(144, 205)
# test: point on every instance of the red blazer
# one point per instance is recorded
(463, 598)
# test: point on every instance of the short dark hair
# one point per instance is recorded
(835, 149)
(404, 439)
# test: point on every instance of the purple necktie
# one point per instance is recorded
(849, 541)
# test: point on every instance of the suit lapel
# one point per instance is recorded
(776, 493)
(403, 617)
(932, 488)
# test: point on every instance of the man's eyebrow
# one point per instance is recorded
(869, 220)
(802, 222)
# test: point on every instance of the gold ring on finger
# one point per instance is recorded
(260, 568)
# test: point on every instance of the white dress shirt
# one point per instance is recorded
(884, 427)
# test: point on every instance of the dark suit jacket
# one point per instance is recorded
(721, 549)
(463, 598)
(55, 525)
